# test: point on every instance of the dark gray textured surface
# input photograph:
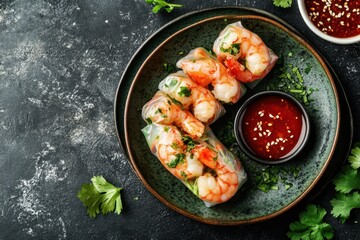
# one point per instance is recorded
(60, 64)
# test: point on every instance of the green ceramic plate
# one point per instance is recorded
(250, 204)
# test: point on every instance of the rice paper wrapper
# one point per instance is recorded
(157, 135)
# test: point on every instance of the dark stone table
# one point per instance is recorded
(60, 64)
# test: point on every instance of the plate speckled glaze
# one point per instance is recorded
(250, 204)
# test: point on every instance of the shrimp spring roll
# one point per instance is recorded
(165, 110)
(205, 69)
(204, 165)
(192, 96)
(244, 53)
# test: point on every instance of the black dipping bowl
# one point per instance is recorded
(245, 146)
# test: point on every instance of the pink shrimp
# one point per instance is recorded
(206, 69)
(244, 53)
(162, 109)
(192, 96)
(166, 143)
(218, 188)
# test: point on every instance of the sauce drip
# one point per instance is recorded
(337, 18)
(273, 127)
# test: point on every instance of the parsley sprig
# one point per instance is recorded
(100, 196)
(159, 4)
(347, 184)
(311, 225)
(282, 3)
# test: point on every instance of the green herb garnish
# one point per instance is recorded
(178, 159)
(233, 49)
(176, 102)
(184, 92)
(282, 3)
(189, 142)
(148, 120)
(100, 196)
(354, 157)
(169, 68)
(159, 4)
(289, 79)
(311, 225)
(347, 184)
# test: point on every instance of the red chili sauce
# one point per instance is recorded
(273, 127)
(337, 18)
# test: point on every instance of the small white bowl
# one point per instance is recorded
(309, 23)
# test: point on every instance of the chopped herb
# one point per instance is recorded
(148, 120)
(269, 177)
(233, 49)
(166, 129)
(178, 159)
(176, 102)
(307, 69)
(189, 142)
(266, 179)
(158, 111)
(289, 79)
(288, 186)
(172, 83)
(174, 145)
(183, 174)
(210, 51)
(169, 68)
(184, 92)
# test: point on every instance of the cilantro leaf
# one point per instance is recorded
(311, 225)
(354, 158)
(347, 180)
(184, 92)
(189, 142)
(282, 3)
(343, 204)
(100, 195)
(169, 67)
(179, 157)
(233, 50)
(159, 4)
(90, 198)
